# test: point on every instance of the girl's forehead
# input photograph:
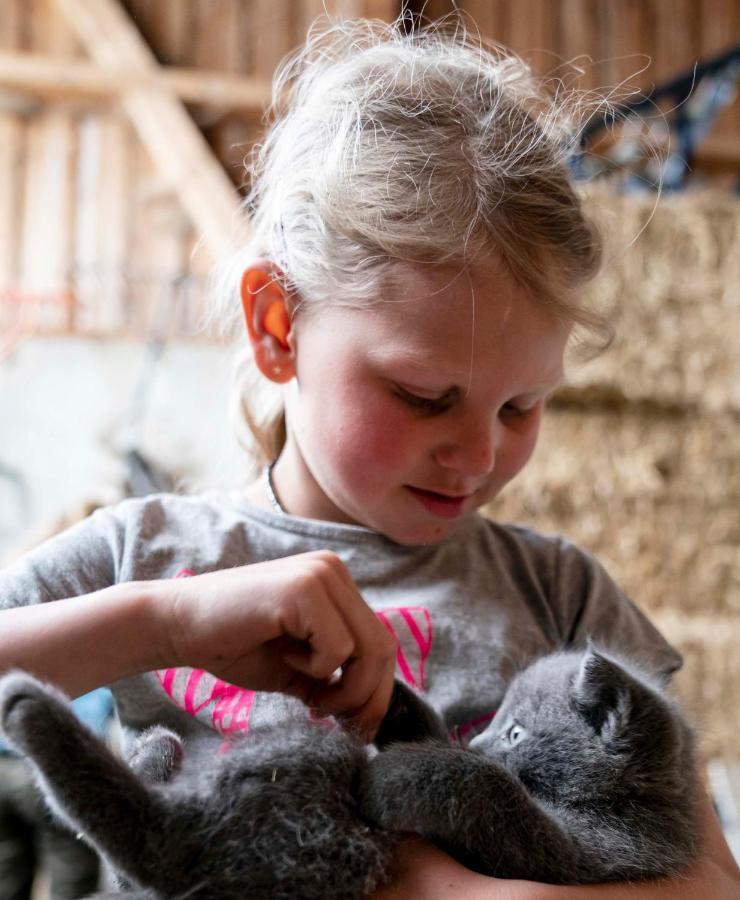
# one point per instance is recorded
(449, 326)
(422, 310)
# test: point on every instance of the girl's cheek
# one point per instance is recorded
(529, 442)
(375, 436)
(521, 447)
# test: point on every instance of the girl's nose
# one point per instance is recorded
(472, 451)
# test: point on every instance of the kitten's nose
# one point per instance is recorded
(479, 741)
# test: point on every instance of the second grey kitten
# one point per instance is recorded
(586, 774)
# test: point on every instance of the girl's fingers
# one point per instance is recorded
(360, 697)
(366, 720)
(323, 644)
(339, 630)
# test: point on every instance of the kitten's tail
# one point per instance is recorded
(90, 789)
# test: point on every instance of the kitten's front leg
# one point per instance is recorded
(86, 785)
(409, 718)
(468, 805)
(156, 755)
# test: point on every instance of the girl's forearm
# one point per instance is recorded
(424, 872)
(88, 641)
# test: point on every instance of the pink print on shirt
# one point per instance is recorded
(196, 691)
(412, 628)
(227, 708)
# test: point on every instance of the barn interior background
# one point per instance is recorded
(122, 130)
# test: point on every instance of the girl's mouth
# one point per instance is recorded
(439, 504)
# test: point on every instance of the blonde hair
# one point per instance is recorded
(430, 147)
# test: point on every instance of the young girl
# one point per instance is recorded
(411, 284)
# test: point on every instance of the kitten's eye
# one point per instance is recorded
(516, 734)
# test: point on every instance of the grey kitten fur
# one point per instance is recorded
(585, 774)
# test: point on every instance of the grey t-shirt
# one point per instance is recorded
(467, 613)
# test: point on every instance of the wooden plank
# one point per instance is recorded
(628, 61)
(435, 9)
(14, 314)
(492, 20)
(178, 148)
(274, 36)
(160, 236)
(720, 26)
(167, 26)
(11, 24)
(246, 34)
(11, 171)
(54, 76)
(49, 32)
(385, 10)
(528, 35)
(213, 33)
(84, 256)
(675, 47)
(576, 39)
(106, 199)
(45, 242)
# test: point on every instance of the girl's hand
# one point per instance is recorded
(423, 872)
(285, 625)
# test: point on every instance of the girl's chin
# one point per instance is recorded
(419, 533)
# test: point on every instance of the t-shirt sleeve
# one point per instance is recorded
(591, 605)
(79, 560)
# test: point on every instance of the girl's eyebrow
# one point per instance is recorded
(419, 359)
(414, 359)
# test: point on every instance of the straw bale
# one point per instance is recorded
(672, 279)
(638, 458)
(655, 498)
(707, 685)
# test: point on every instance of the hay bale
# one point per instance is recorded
(672, 280)
(656, 499)
(638, 458)
(707, 684)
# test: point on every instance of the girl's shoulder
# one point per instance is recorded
(575, 591)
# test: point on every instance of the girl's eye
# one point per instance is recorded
(430, 405)
(517, 412)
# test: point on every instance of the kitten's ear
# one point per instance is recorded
(602, 693)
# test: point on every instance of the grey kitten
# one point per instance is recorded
(274, 816)
(585, 774)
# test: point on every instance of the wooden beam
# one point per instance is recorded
(65, 76)
(175, 144)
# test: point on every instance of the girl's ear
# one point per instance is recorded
(268, 322)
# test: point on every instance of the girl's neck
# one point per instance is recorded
(285, 490)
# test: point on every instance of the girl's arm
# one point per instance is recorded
(424, 872)
(84, 642)
(284, 625)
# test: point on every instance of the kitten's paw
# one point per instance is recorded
(23, 699)
(379, 793)
(156, 755)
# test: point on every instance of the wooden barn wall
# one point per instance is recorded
(94, 242)
(638, 42)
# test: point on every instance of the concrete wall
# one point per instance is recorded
(65, 411)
